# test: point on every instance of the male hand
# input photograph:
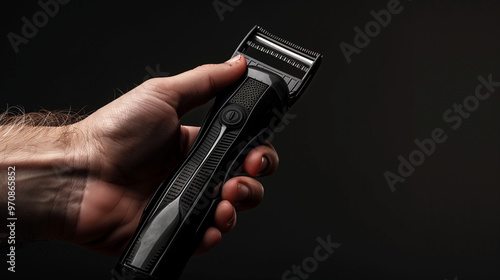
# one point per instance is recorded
(131, 145)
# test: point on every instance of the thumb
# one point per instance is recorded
(196, 87)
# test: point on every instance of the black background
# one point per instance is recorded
(352, 124)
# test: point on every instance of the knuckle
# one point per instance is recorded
(207, 79)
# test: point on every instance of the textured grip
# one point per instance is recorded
(249, 93)
(206, 171)
(189, 182)
(183, 207)
(190, 167)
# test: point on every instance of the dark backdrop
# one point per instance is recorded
(352, 124)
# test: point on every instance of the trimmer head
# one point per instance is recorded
(241, 118)
(295, 64)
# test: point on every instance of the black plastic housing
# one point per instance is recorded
(183, 207)
(241, 118)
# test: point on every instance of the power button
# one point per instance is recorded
(233, 115)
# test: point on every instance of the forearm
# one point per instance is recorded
(49, 180)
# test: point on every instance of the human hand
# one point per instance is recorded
(132, 144)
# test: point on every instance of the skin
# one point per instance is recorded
(88, 182)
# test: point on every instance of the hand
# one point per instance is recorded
(133, 143)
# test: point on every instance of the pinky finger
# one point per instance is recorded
(211, 238)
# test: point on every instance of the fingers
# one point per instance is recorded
(211, 238)
(238, 194)
(225, 216)
(243, 192)
(225, 219)
(195, 87)
(188, 135)
(261, 161)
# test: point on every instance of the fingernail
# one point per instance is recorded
(263, 165)
(234, 59)
(232, 219)
(242, 193)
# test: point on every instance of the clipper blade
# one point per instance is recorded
(268, 51)
(278, 55)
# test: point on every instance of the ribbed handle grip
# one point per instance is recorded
(183, 207)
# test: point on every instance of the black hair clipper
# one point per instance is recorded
(241, 118)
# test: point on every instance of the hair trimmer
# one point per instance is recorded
(240, 119)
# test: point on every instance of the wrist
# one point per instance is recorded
(50, 177)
